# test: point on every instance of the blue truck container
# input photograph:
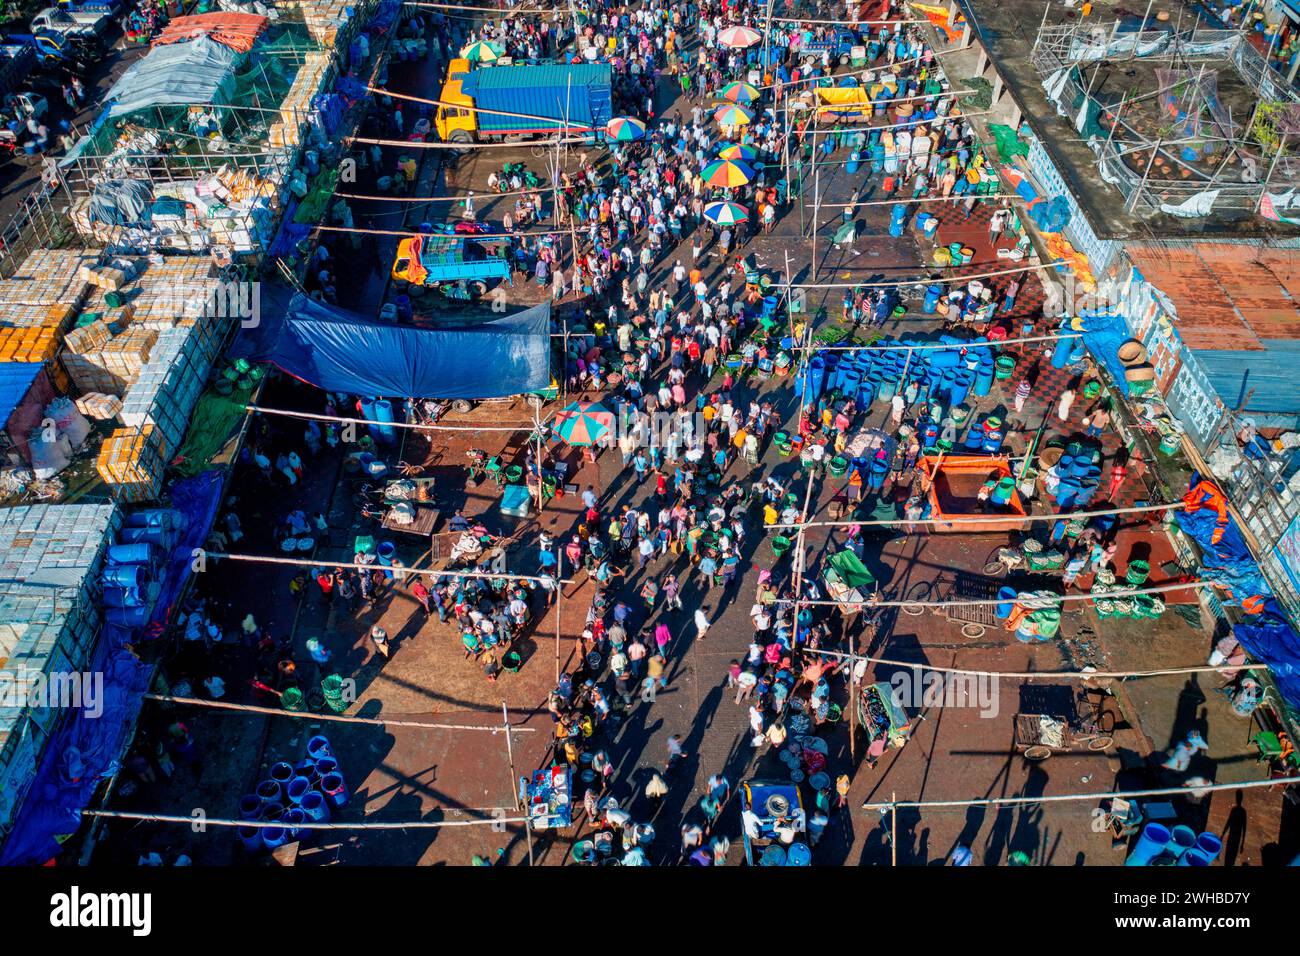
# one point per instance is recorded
(579, 93)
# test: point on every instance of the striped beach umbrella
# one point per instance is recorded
(624, 129)
(739, 92)
(482, 51)
(738, 37)
(731, 115)
(584, 423)
(727, 172)
(738, 151)
(725, 213)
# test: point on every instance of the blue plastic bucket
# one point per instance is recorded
(250, 837)
(1067, 490)
(975, 441)
(961, 385)
(992, 442)
(334, 789)
(122, 597)
(250, 806)
(384, 413)
(268, 791)
(274, 837)
(1194, 857)
(326, 765)
(155, 534)
(318, 747)
(930, 304)
(1181, 839)
(1153, 841)
(798, 855)
(282, 772)
(888, 387)
(1007, 597)
(293, 816)
(298, 788)
(929, 435)
(1209, 845)
(897, 219)
(140, 553)
(272, 811)
(983, 383)
(126, 575)
(315, 806)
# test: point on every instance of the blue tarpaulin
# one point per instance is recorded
(15, 379)
(1267, 636)
(88, 749)
(1103, 334)
(340, 351)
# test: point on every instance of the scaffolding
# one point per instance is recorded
(1170, 142)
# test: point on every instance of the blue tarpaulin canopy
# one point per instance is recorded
(15, 379)
(341, 351)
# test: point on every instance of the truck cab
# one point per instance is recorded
(455, 120)
(460, 266)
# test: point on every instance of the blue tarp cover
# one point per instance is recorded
(52, 808)
(15, 379)
(1103, 334)
(340, 351)
(1267, 636)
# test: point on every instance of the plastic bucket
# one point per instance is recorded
(292, 816)
(974, 441)
(318, 747)
(274, 837)
(314, 805)
(335, 790)
(130, 553)
(298, 788)
(126, 575)
(1003, 491)
(1194, 857)
(1209, 845)
(250, 806)
(1153, 841)
(983, 381)
(1005, 367)
(1181, 839)
(1137, 573)
(326, 765)
(250, 837)
(992, 443)
(282, 773)
(1007, 597)
(268, 791)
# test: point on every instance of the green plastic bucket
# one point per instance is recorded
(837, 466)
(1005, 366)
(1170, 444)
(1137, 573)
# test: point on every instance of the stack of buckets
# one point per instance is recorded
(130, 585)
(291, 795)
(948, 376)
(1158, 845)
(1079, 477)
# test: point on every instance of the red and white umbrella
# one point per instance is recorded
(739, 37)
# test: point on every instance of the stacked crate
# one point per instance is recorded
(96, 360)
(131, 462)
(50, 556)
(170, 385)
(37, 344)
(296, 105)
(165, 290)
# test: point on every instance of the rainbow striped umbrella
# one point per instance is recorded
(482, 51)
(725, 213)
(739, 37)
(584, 423)
(624, 129)
(738, 151)
(739, 92)
(733, 116)
(727, 172)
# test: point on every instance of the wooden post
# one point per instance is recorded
(514, 780)
(559, 598)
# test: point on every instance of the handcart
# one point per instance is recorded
(1090, 728)
(885, 723)
(547, 796)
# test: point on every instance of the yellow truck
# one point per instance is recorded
(499, 102)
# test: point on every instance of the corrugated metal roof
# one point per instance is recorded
(541, 74)
(15, 379)
(1229, 297)
(1264, 381)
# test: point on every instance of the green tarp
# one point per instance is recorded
(1008, 143)
(851, 570)
(216, 419)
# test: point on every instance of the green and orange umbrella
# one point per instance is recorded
(738, 151)
(624, 129)
(732, 115)
(583, 423)
(727, 173)
(739, 92)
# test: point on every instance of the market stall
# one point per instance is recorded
(884, 721)
(774, 824)
(548, 796)
(954, 484)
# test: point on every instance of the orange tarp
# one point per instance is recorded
(954, 482)
(239, 31)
